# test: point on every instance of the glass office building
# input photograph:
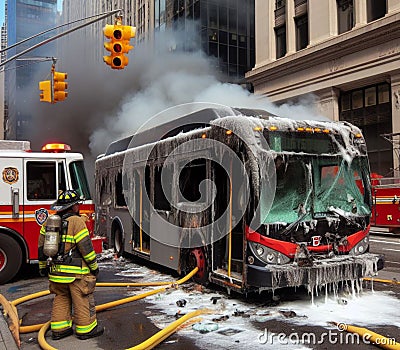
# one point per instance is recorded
(223, 29)
(26, 18)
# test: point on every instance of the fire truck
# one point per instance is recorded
(386, 194)
(30, 183)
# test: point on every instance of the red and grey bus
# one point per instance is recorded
(256, 202)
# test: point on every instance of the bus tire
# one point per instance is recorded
(198, 258)
(118, 242)
(10, 258)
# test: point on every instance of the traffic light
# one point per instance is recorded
(118, 45)
(59, 86)
(45, 91)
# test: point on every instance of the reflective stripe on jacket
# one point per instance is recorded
(79, 257)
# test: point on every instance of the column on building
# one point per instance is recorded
(360, 9)
(322, 17)
(328, 103)
(395, 89)
(265, 37)
(290, 27)
(393, 6)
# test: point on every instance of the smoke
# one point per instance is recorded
(104, 105)
(170, 78)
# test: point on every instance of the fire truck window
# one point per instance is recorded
(61, 178)
(79, 179)
(41, 181)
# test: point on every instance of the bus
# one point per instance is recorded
(256, 202)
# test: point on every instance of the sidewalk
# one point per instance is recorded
(7, 341)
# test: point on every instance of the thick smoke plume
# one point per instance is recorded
(104, 105)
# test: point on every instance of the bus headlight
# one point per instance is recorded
(268, 255)
(361, 247)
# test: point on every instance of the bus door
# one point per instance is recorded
(164, 238)
(228, 250)
(141, 210)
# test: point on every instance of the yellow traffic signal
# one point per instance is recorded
(59, 86)
(45, 93)
(118, 45)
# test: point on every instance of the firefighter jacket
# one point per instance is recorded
(76, 256)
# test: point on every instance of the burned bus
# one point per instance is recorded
(256, 202)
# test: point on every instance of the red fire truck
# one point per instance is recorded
(386, 202)
(30, 183)
(386, 194)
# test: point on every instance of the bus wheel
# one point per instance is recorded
(10, 258)
(197, 258)
(118, 242)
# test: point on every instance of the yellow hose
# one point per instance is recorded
(381, 280)
(41, 337)
(367, 335)
(167, 331)
(29, 297)
(42, 328)
(37, 327)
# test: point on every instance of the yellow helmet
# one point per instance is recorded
(66, 200)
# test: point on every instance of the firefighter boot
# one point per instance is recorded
(95, 332)
(62, 334)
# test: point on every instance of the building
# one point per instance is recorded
(223, 29)
(345, 52)
(25, 19)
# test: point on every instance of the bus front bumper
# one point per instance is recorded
(321, 272)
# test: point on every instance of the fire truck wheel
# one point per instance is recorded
(10, 258)
(197, 258)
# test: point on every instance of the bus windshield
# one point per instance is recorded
(314, 185)
(79, 179)
(340, 185)
(292, 191)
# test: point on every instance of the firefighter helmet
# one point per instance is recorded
(66, 200)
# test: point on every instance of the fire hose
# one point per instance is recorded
(374, 338)
(10, 308)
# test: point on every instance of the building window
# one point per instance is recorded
(370, 96)
(301, 32)
(357, 99)
(370, 109)
(376, 9)
(345, 102)
(280, 34)
(279, 4)
(383, 93)
(345, 13)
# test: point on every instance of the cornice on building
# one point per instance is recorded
(356, 40)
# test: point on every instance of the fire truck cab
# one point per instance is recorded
(386, 202)
(30, 183)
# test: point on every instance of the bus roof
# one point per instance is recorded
(185, 123)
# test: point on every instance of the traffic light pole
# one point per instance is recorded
(102, 16)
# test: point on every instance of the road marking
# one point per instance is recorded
(393, 262)
(379, 241)
(393, 250)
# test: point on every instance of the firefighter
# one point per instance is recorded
(72, 272)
